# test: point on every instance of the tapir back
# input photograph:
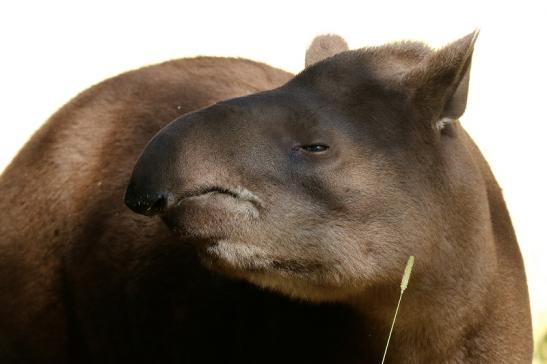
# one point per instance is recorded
(64, 191)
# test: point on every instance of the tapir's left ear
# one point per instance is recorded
(440, 82)
(324, 46)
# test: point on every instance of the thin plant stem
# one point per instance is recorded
(404, 284)
(392, 325)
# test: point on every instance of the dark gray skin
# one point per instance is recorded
(277, 224)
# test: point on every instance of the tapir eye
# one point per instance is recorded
(315, 148)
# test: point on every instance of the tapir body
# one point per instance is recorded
(275, 218)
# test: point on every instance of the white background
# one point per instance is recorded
(50, 50)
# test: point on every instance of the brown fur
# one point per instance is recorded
(83, 279)
(323, 47)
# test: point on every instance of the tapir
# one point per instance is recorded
(219, 210)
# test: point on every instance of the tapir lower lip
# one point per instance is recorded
(213, 212)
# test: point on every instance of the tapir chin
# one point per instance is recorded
(219, 210)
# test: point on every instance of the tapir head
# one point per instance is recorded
(326, 185)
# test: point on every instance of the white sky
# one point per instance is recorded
(50, 50)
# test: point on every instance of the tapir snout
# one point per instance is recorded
(190, 163)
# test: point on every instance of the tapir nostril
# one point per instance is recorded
(148, 204)
(159, 205)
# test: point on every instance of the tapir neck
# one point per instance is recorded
(469, 295)
(434, 321)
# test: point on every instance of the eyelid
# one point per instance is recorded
(309, 147)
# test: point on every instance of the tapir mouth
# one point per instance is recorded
(239, 193)
(213, 211)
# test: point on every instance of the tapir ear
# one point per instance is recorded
(324, 46)
(441, 80)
